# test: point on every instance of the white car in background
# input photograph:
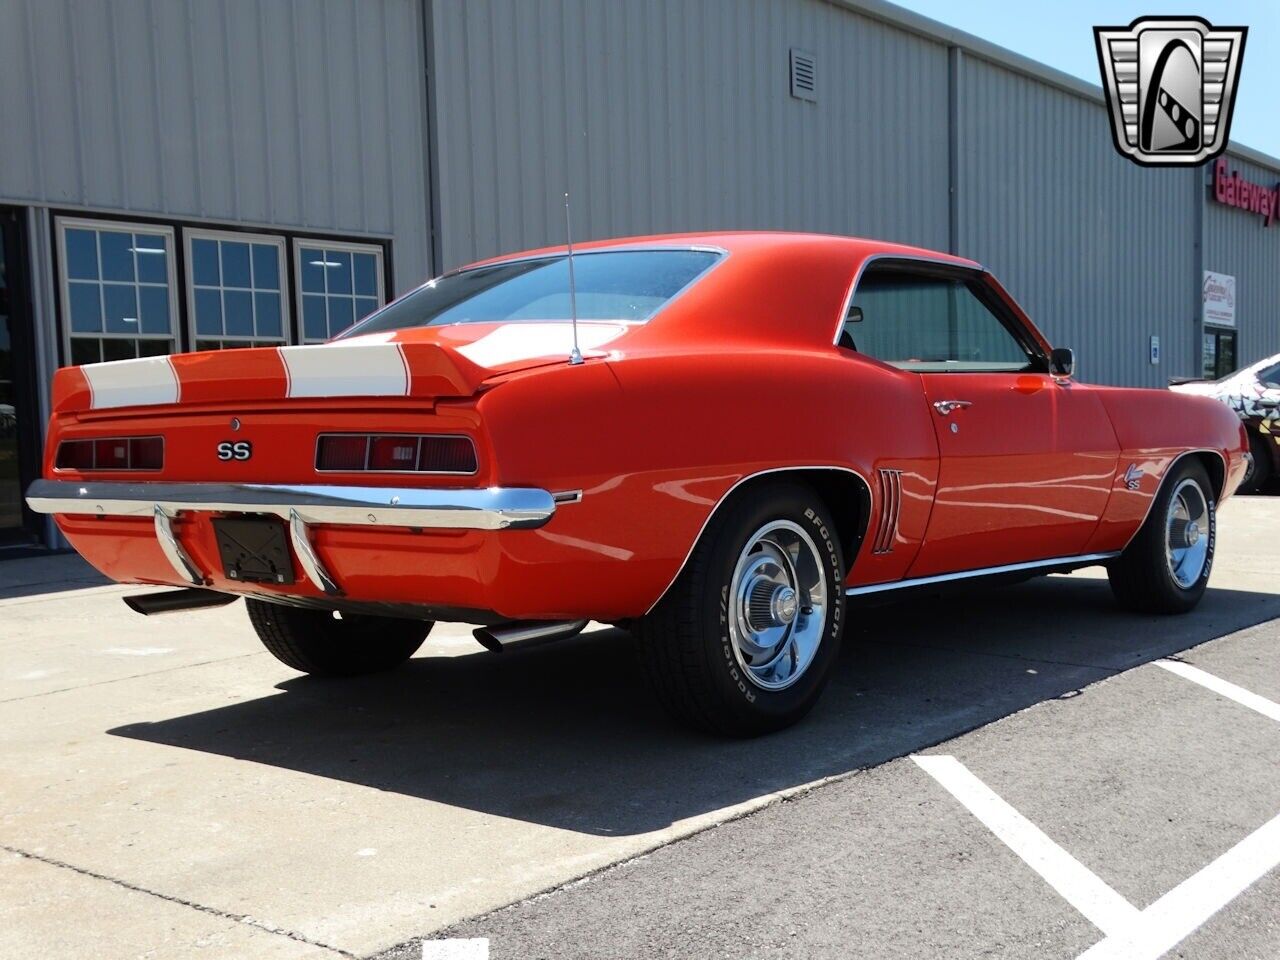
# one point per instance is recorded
(1254, 394)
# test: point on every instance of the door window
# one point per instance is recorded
(931, 324)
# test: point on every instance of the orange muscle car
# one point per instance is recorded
(716, 440)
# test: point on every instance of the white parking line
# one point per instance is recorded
(472, 949)
(1079, 886)
(1176, 915)
(1268, 708)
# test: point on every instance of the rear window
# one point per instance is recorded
(616, 285)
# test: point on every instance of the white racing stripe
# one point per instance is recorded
(1268, 708)
(346, 369)
(145, 381)
(523, 341)
(1077, 884)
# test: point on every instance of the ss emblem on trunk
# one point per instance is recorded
(235, 450)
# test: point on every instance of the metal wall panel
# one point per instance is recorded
(1100, 252)
(665, 115)
(304, 114)
(1238, 243)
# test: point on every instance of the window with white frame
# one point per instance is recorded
(235, 289)
(118, 290)
(338, 284)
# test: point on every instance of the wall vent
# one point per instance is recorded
(804, 78)
(890, 508)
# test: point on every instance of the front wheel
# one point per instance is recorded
(1165, 569)
(319, 643)
(746, 638)
(1259, 471)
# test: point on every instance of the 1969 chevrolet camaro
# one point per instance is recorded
(741, 435)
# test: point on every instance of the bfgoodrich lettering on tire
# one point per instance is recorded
(745, 640)
(1166, 567)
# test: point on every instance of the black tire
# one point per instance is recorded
(1260, 467)
(316, 642)
(685, 644)
(1142, 578)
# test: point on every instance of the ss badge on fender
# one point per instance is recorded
(235, 450)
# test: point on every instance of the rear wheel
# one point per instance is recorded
(746, 638)
(319, 643)
(1166, 567)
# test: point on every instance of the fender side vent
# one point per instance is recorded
(890, 482)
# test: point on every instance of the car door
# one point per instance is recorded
(1026, 461)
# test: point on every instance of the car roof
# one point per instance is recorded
(856, 248)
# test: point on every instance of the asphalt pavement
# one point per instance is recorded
(1011, 772)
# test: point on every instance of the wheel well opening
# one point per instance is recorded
(1214, 467)
(844, 493)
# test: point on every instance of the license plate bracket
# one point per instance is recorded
(254, 549)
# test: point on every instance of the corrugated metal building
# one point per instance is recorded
(202, 173)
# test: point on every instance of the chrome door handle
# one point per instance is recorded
(945, 407)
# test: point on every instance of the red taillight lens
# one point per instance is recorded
(395, 454)
(111, 453)
(447, 455)
(341, 452)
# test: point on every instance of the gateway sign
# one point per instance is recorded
(1219, 299)
(1235, 191)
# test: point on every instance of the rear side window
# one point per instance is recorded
(934, 324)
(1270, 377)
(628, 285)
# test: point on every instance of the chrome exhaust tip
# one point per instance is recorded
(526, 633)
(171, 601)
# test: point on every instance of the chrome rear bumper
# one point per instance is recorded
(492, 508)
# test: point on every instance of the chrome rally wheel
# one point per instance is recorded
(1187, 533)
(778, 608)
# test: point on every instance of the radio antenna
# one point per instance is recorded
(575, 355)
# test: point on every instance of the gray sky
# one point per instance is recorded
(1061, 35)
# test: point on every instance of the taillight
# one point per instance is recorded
(111, 453)
(395, 453)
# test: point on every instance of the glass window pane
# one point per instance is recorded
(208, 345)
(312, 271)
(153, 304)
(85, 350)
(117, 255)
(364, 307)
(237, 345)
(340, 315)
(208, 313)
(364, 268)
(338, 270)
(266, 267)
(314, 326)
(267, 314)
(120, 307)
(235, 264)
(119, 349)
(82, 254)
(237, 311)
(86, 307)
(204, 262)
(151, 258)
(154, 348)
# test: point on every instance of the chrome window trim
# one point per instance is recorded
(739, 482)
(1083, 560)
(722, 255)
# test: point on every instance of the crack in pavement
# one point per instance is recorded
(212, 911)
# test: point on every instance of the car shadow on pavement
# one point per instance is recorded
(568, 736)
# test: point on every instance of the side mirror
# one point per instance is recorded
(1062, 362)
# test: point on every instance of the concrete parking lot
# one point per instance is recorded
(1015, 772)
